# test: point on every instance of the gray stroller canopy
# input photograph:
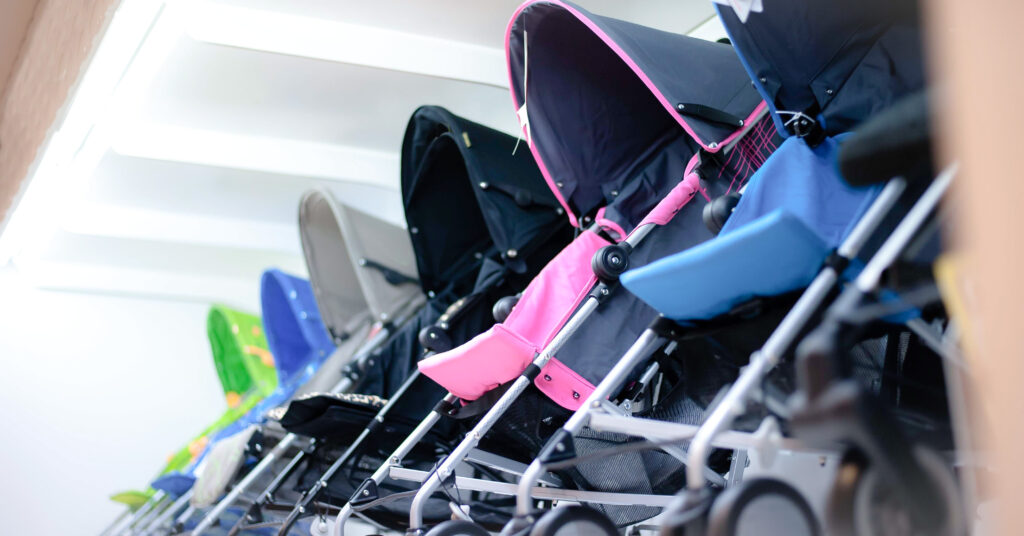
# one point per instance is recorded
(358, 264)
(605, 98)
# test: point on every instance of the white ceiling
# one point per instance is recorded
(200, 123)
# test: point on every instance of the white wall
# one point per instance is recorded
(95, 392)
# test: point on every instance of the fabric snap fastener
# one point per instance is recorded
(547, 378)
(575, 395)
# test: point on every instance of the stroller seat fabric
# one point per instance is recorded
(773, 255)
(794, 209)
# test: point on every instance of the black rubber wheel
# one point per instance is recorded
(574, 520)
(861, 503)
(718, 211)
(435, 339)
(762, 507)
(610, 262)
(458, 527)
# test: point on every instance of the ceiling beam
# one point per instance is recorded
(255, 153)
(342, 42)
(241, 290)
(193, 229)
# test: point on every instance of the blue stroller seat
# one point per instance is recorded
(773, 255)
(773, 243)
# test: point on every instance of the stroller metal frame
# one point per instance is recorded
(593, 412)
(279, 450)
(762, 362)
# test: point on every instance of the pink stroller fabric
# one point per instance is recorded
(501, 353)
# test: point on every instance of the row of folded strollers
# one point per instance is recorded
(696, 296)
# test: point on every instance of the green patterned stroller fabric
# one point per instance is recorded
(246, 371)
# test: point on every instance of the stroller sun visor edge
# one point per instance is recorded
(711, 117)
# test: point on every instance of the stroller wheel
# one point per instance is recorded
(862, 503)
(762, 506)
(574, 521)
(458, 527)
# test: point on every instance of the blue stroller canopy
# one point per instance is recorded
(297, 338)
(836, 62)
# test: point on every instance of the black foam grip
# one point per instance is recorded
(896, 142)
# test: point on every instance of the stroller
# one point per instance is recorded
(299, 343)
(481, 223)
(629, 162)
(246, 373)
(359, 268)
(796, 204)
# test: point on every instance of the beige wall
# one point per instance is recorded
(15, 17)
(61, 37)
(977, 58)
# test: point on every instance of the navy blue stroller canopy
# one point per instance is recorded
(614, 109)
(297, 337)
(469, 197)
(823, 67)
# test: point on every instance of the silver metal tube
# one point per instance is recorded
(277, 452)
(141, 512)
(120, 524)
(671, 431)
(869, 277)
(145, 520)
(395, 459)
(956, 382)
(872, 217)
(734, 402)
(344, 385)
(507, 488)
(165, 517)
(492, 416)
(640, 351)
(185, 516)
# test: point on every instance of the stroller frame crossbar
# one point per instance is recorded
(505, 465)
(761, 440)
(555, 494)
(364, 354)
(764, 360)
(473, 437)
(697, 472)
(168, 513)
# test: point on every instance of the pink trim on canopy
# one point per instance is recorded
(636, 70)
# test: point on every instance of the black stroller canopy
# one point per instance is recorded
(603, 95)
(803, 53)
(468, 197)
